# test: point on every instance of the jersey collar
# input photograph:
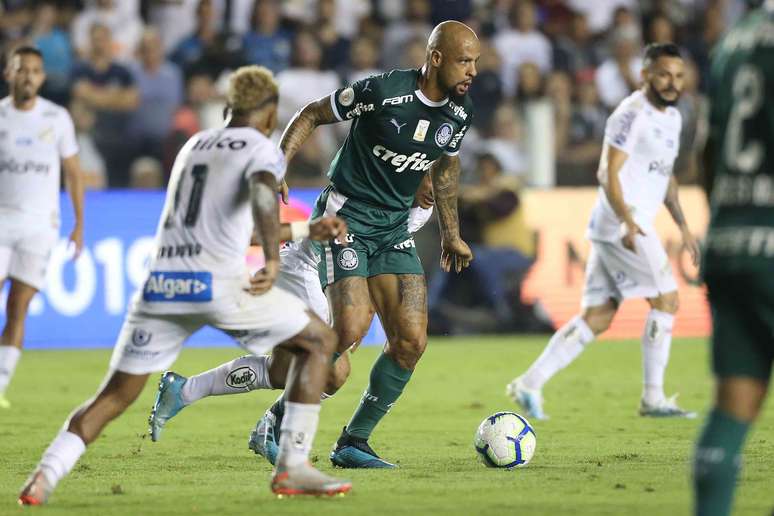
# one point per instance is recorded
(426, 101)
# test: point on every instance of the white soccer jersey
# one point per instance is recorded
(651, 139)
(206, 224)
(32, 145)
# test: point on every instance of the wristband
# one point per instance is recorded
(299, 230)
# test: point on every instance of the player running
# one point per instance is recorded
(299, 276)
(223, 184)
(36, 135)
(740, 251)
(627, 260)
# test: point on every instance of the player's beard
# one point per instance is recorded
(663, 102)
(24, 92)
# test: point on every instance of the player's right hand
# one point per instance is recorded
(327, 228)
(455, 254)
(262, 281)
(632, 230)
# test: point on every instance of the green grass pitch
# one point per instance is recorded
(595, 456)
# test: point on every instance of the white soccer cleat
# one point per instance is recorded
(667, 407)
(305, 479)
(531, 400)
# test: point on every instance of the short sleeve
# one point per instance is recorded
(266, 157)
(453, 147)
(67, 143)
(357, 99)
(621, 129)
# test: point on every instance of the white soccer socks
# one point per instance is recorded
(9, 357)
(564, 347)
(243, 374)
(60, 456)
(656, 342)
(297, 434)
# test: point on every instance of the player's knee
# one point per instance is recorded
(349, 334)
(668, 303)
(598, 322)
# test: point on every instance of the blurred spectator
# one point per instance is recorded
(125, 26)
(146, 173)
(187, 120)
(175, 19)
(413, 55)
(487, 90)
(558, 89)
(267, 43)
(347, 17)
(414, 25)
(710, 29)
(502, 244)
(108, 88)
(54, 44)
(364, 59)
(600, 12)
(304, 81)
(208, 49)
(160, 86)
(335, 47)
(520, 44)
(15, 17)
(92, 163)
(619, 75)
(576, 51)
(578, 155)
(506, 141)
(442, 10)
(660, 30)
(693, 109)
(530, 83)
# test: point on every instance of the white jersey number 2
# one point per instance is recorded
(747, 90)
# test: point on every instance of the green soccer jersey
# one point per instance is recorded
(741, 234)
(395, 136)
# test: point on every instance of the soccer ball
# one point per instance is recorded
(505, 440)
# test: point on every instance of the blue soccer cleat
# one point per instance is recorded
(531, 400)
(168, 402)
(665, 408)
(354, 452)
(264, 439)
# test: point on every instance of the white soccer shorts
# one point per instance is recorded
(25, 252)
(301, 279)
(614, 272)
(150, 343)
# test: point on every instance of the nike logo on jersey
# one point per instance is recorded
(397, 125)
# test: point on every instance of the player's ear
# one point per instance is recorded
(436, 57)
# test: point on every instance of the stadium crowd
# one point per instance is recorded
(140, 76)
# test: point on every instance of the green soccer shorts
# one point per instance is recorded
(377, 242)
(742, 324)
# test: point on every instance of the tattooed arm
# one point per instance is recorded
(445, 174)
(672, 202)
(318, 112)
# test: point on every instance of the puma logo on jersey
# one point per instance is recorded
(366, 87)
(397, 125)
(400, 161)
(185, 286)
(394, 101)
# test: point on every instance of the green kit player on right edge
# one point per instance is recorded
(405, 124)
(740, 250)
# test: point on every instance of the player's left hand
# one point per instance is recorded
(284, 191)
(455, 254)
(262, 281)
(692, 245)
(327, 228)
(76, 239)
